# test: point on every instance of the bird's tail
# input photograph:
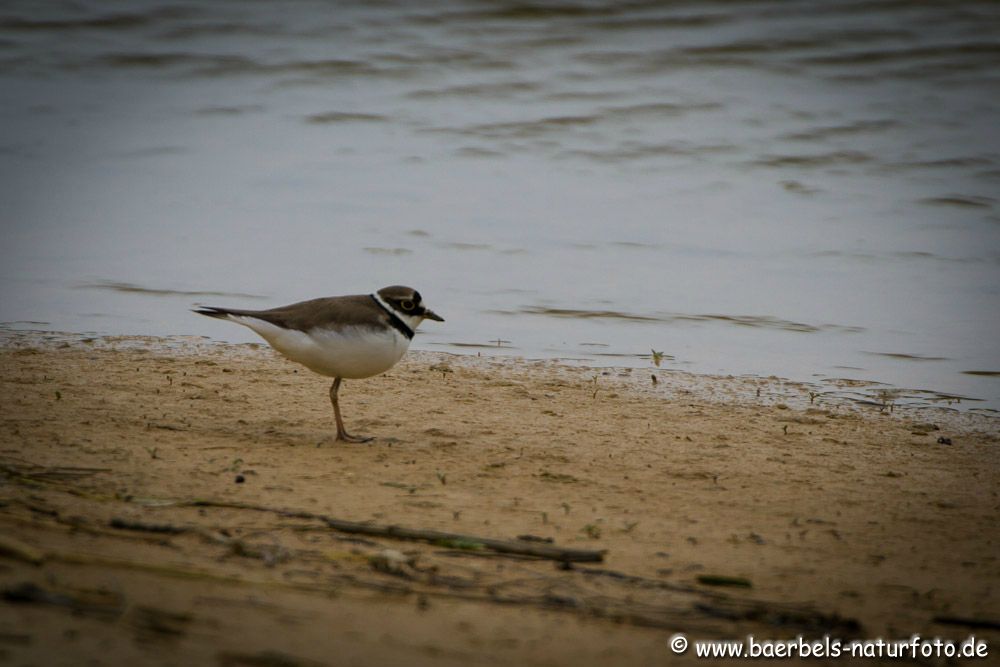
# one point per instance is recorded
(211, 311)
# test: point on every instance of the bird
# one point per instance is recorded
(344, 337)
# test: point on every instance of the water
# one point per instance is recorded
(804, 189)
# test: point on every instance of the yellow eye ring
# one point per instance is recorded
(406, 304)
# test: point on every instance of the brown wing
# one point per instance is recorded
(333, 312)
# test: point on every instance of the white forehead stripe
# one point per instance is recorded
(382, 302)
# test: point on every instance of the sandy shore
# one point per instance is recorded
(822, 517)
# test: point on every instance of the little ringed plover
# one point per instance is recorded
(355, 336)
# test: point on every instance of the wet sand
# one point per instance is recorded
(724, 506)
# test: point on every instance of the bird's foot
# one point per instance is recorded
(347, 437)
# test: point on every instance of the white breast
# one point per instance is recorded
(352, 352)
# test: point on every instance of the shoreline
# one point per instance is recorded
(835, 516)
(851, 394)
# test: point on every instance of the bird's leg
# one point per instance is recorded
(341, 433)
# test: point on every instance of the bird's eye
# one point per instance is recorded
(406, 304)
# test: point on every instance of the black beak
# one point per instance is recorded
(431, 315)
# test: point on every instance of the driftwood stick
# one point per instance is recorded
(520, 547)
(446, 539)
(125, 524)
(969, 622)
(18, 550)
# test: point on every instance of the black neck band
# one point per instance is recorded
(394, 320)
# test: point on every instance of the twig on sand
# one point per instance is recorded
(446, 539)
(969, 622)
(30, 474)
(125, 524)
(14, 548)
